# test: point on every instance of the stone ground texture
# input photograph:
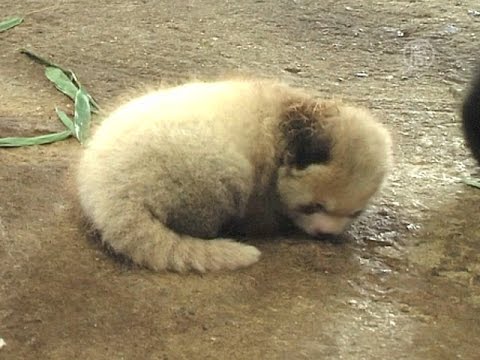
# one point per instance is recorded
(406, 284)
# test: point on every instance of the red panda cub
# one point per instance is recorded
(166, 172)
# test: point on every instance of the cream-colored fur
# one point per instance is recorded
(169, 170)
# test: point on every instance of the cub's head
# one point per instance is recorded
(336, 159)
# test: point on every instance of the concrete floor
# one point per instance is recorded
(404, 285)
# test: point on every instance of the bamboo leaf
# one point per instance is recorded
(61, 81)
(10, 23)
(42, 60)
(472, 182)
(65, 119)
(58, 79)
(82, 116)
(66, 82)
(35, 140)
(93, 102)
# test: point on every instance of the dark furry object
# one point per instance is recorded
(471, 117)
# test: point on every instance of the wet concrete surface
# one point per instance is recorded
(405, 283)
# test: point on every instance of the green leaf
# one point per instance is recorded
(55, 75)
(35, 140)
(82, 116)
(472, 182)
(93, 102)
(42, 60)
(65, 119)
(66, 82)
(61, 81)
(10, 23)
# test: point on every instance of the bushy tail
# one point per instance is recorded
(471, 118)
(134, 232)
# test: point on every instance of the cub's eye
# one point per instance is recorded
(356, 214)
(311, 209)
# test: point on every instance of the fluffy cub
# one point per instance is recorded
(166, 173)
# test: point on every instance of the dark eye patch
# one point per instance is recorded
(306, 143)
(311, 209)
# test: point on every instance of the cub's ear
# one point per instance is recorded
(306, 140)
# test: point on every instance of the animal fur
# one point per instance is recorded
(471, 117)
(167, 173)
